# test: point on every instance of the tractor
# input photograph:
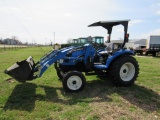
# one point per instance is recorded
(72, 62)
(84, 40)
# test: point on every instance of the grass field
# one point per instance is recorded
(45, 98)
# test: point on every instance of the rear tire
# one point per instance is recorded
(124, 70)
(74, 81)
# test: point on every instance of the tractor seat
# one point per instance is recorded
(107, 51)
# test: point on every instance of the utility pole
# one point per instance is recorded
(54, 37)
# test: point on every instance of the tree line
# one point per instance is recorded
(10, 41)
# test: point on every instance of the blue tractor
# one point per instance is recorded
(72, 62)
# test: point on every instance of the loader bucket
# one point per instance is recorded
(22, 71)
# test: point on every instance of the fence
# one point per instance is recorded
(11, 47)
(17, 47)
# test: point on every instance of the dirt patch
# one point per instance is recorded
(10, 80)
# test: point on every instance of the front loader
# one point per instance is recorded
(71, 62)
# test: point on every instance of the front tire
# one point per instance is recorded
(74, 81)
(124, 70)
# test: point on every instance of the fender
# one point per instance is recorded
(117, 54)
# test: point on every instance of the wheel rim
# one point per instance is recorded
(74, 82)
(127, 71)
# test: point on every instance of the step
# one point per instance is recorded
(100, 66)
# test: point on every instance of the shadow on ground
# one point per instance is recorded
(24, 95)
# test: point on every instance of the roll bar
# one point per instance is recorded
(109, 25)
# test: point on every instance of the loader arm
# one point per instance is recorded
(49, 59)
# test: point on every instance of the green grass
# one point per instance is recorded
(44, 98)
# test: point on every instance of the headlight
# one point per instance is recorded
(61, 61)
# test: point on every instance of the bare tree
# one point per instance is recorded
(69, 40)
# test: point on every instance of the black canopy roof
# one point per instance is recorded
(109, 24)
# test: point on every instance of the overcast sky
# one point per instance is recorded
(38, 20)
